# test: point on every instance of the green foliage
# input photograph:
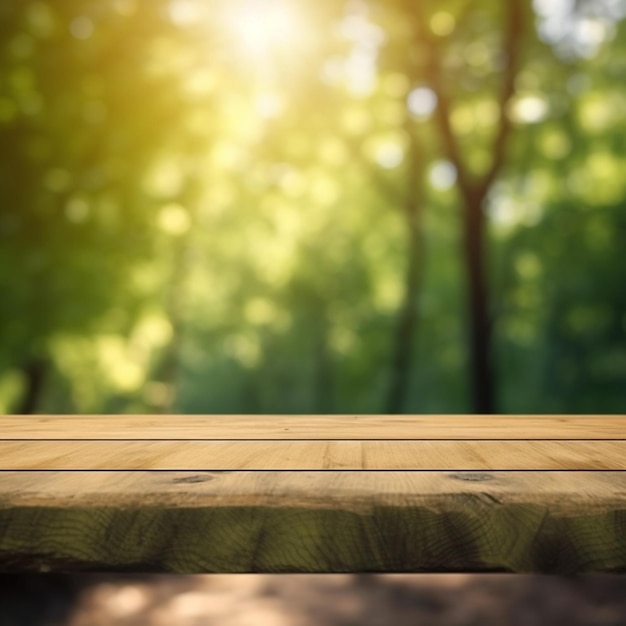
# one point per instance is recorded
(204, 208)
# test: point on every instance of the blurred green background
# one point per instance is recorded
(312, 206)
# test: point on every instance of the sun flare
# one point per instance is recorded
(263, 27)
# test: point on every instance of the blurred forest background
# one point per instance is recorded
(313, 206)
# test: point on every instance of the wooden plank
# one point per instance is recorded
(313, 455)
(379, 427)
(200, 522)
(294, 519)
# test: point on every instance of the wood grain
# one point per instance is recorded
(312, 455)
(377, 427)
(198, 522)
(281, 494)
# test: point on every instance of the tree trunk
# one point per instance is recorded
(474, 191)
(478, 298)
(35, 372)
(323, 379)
(406, 327)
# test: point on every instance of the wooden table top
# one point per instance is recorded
(313, 493)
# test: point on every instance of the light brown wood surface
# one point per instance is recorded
(312, 455)
(335, 427)
(281, 494)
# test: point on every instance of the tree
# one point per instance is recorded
(474, 189)
(82, 142)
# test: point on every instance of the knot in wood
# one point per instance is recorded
(477, 477)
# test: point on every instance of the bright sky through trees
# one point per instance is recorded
(257, 29)
(263, 26)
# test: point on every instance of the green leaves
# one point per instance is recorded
(261, 206)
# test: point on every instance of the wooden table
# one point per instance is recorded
(283, 493)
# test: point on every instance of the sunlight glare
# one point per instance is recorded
(263, 26)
